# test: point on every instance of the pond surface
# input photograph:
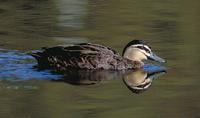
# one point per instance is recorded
(171, 28)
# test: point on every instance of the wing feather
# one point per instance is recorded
(84, 55)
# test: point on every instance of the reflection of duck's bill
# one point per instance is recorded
(156, 74)
(150, 68)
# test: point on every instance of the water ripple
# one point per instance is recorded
(15, 65)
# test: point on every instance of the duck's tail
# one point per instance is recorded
(36, 54)
(41, 59)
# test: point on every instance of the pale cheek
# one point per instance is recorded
(144, 57)
(141, 56)
(135, 54)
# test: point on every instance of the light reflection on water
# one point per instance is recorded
(170, 27)
(72, 13)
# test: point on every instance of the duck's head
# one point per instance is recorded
(137, 50)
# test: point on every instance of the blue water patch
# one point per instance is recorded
(15, 65)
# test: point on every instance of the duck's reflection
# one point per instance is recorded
(136, 81)
(88, 77)
(139, 81)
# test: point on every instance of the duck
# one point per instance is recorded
(90, 56)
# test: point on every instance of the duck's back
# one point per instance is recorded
(81, 56)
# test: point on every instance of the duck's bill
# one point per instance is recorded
(154, 57)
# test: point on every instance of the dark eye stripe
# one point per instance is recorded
(143, 48)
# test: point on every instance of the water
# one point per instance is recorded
(170, 27)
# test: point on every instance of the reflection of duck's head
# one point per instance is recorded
(139, 81)
(137, 50)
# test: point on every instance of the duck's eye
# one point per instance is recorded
(146, 50)
(140, 47)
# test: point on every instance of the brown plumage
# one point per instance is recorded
(83, 56)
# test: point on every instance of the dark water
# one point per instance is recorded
(170, 27)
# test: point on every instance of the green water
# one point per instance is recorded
(171, 27)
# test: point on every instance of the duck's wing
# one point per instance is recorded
(79, 50)
(84, 55)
